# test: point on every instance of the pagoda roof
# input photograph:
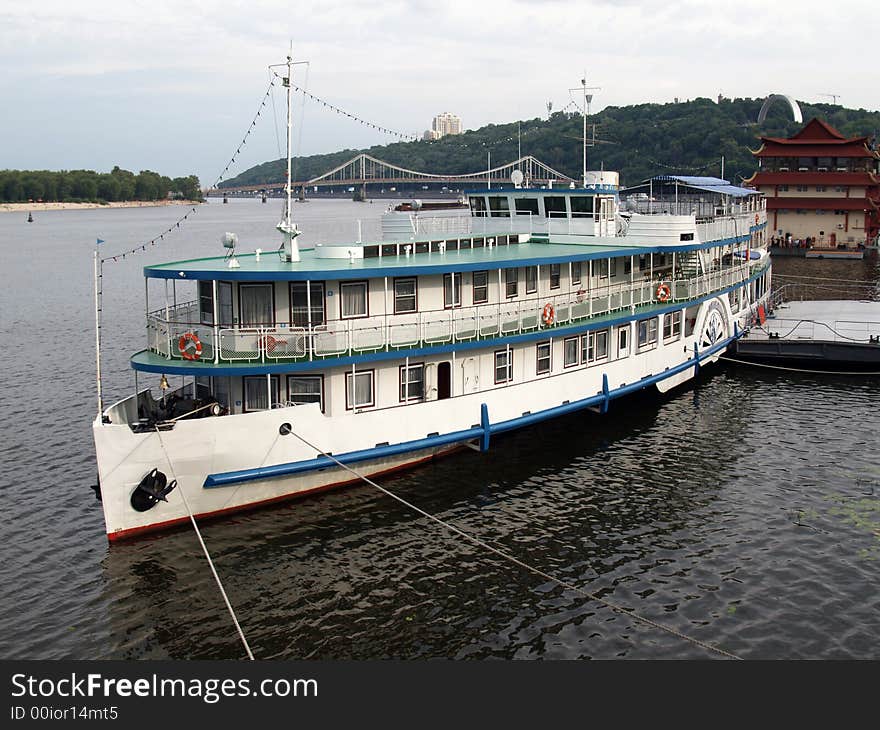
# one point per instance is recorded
(813, 178)
(815, 139)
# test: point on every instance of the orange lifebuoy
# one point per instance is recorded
(664, 293)
(548, 314)
(190, 346)
(756, 219)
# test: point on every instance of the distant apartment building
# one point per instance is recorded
(820, 185)
(442, 125)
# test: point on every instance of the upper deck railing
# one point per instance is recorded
(281, 342)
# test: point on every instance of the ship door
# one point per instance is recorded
(623, 342)
(444, 380)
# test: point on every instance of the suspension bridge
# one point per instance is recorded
(364, 170)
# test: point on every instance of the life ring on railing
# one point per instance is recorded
(548, 314)
(268, 343)
(580, 294)
(756, 219)
(664, 293)
(190, 346)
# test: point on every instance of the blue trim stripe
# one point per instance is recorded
(481, 432)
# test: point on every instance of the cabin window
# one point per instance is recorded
(576, 273)
(412, 383)
(220, 388)
(478, 206)
(405, 297)
(672, 325)
(371, 252)
(733, 296)
(300, 297)
(526, 206)
(359, 390)
(451, 291)
(570, 352)
(353, 299)
(498, 207)
(627, 265)
(612, 267)
(594, 346)
(643, 262)
(306, 389)
(554, 206)
(256, 304)
(647, 332)
(581, 206)
(511, 282)
(554, 276)
(503, 366)
(531, 279)
(603, 268)
(481, 287)
(543, 364)
(686, 237)
(256, 395)
(206, 302)
(224, 299)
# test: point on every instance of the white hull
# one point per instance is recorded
(194, 450)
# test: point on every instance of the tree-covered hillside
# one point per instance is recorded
(687, 138)
(77, 186)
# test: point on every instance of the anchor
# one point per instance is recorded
(154, 488)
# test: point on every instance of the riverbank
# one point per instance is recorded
(28, 207)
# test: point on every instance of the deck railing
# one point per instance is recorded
(281, 342)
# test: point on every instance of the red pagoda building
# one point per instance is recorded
(820, 185)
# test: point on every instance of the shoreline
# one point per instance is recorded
(28, 207)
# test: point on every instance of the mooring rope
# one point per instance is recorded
(205, 549)
(813, 322)
(798, 370)
(516, 561)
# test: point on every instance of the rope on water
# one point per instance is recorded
(205, 549)
(797, 370)
(516, 561)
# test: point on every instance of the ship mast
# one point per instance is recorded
(585, 111)
(290, 248)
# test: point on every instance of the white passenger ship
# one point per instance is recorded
(389, 353)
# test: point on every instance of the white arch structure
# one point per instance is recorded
(793, 105)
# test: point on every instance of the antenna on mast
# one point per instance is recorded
(585, 110)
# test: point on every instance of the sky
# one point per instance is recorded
(173, 86)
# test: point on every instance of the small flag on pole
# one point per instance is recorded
(99, 241)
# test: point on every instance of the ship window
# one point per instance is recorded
(363, 394)
(576, 272)
(481, 287)
(531, 279)
(299, 304)
(371, 252)
(526, 206)
(511, 282)
(477, 243)
(554, 276)
(256, 305)
(389, 249)
(570, 352)
(686, 237)
(478, 206)
(581, 206)
(643, 262)
(612, 267)
(452, 244)
(647, 332)
(405, 296)
(306, 389)
(256, 392)
(498, 207)
(554, 206)
(503, 366)
(422, 247)
(412, 383)
(603, 268)
(594, 346)
(353, 299)
(451, 291)
(206, 302)
(627, 265)
(671, 324)
(543, 365)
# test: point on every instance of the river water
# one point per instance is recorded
(742, 509)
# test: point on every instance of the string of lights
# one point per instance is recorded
(176, 225)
